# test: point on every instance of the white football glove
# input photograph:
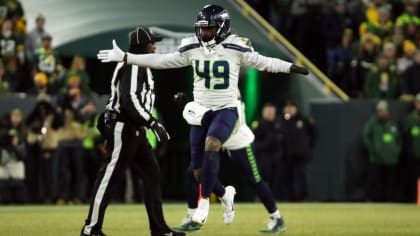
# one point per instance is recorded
(114, 54)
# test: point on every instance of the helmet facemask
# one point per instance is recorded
(212, 25)
(206, 33)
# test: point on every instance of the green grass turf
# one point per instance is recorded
(301, 219)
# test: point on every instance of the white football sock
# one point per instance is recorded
(275, 214)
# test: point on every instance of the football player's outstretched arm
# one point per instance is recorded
(152, 60)
(270, 64)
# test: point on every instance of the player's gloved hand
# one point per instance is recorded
(299, 70)
(114, 54)
(180, 99)
(159, 130)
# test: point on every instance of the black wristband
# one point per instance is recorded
(125, 58)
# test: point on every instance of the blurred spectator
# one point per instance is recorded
(12, 53)
(372, 9)
(268, 147)
(299, 139)
(41, 164)
(40, 84)
(14, 122)
(382, 28)
(407, 59)
(334, 29)
(390, 51)
(361, 65)
(14, 9)
(47, 60)
(70, 148)
(5, 79)
(411, 133)
(12, 154)
(410, 82)
(382, 80)
(398, 39)
(409, 15)
(411, 32)
(77, 74)
(341, 61)
(93, 145)
(34, 37)
(383, 141)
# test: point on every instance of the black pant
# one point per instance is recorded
(294, 177)
(126, 145)
(381, 182)
(71, 170)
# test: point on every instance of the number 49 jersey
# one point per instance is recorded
(216, 70)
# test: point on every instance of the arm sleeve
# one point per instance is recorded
(269, 64)
(158, 61)
(131, 101)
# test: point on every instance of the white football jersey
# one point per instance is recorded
(216, 70)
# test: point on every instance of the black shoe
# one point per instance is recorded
(100, 233)
(169, 233)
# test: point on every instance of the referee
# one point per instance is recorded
(124, 124)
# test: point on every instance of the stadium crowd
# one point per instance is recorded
(369, 53)
(367, 47)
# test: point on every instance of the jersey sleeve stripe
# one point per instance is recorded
(134, 99)
(236, 47)
(188, 47)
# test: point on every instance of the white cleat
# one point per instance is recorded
(227, 204)
(200, 215)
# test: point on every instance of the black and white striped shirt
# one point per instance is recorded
(132, 93)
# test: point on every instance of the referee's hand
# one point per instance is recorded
(159, 130)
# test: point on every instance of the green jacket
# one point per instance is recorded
(382, 140)
(412, 134)
(381, 83)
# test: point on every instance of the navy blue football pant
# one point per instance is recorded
(218, 124)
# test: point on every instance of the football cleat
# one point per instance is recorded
(202, 212)
(275, 225)
(188, 226)
(227, 204)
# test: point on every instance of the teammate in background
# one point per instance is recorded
(216, 56)
(124, 124)
(240, 148)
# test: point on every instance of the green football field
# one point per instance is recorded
(301, 219)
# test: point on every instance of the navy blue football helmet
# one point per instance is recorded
(212, 25)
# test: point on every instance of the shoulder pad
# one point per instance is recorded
(238, 43)
(188, 44)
